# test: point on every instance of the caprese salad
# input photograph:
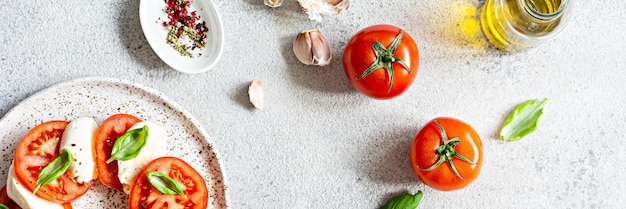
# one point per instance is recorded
(58, 161)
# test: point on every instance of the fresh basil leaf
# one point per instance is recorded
(522, 120)
(164, 183)
(54, 169)
(2, 206)
(129, 145)
(405, 201)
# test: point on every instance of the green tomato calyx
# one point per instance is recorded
(447, 152)
(385, 58)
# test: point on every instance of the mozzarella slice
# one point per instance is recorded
(78, 139)
(24, 197)
(155, 147)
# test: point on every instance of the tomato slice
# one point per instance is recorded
(144, 195)
(4, 199)
(34, 152)
(106, 135)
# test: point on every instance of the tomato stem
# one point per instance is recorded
(385, 58)
(446, 152)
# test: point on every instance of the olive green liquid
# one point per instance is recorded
(518, 25)
(545, 6)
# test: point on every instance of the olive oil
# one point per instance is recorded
(520, 25)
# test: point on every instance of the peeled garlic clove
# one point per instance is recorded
(273, 3)
(255, 91)
(311, 48)
(316, 8)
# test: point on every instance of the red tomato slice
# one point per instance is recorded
(4, 199)
(106, 135)
(144, 195)
(34, 152)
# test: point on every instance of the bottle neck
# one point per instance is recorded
(543, 10)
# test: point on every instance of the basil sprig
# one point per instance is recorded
(2, 206)
(129, 145)
(405, 201)
(54, 169)
(164, 183)
(522, 120)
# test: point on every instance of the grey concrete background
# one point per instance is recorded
(321, 144)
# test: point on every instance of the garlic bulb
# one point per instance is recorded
(316, 8)
(255, 91)
(273, 3)
(311, 48)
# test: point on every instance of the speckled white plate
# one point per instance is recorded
(100, 98)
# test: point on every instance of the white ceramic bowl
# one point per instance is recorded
(152, 15)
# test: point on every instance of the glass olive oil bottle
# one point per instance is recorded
(520, 25)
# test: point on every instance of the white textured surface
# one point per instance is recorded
(319, 143)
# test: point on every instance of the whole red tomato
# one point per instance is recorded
(446, 154)
(381, 61)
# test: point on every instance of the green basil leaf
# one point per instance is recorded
(2, 206)
(405, 201)
(129, 145)
(164, 183)
(54, 169)
(522, 120)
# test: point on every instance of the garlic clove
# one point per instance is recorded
(318, 8)
(311, 48)
(255, 91)
(273, 3)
